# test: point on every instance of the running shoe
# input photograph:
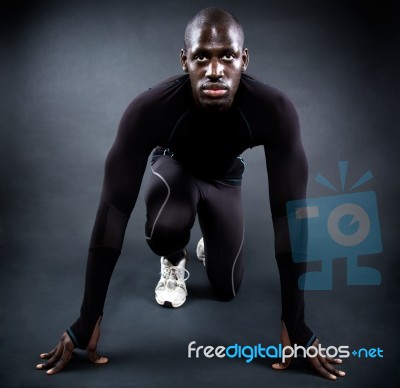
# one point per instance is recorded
(171, 288)
(201, 254)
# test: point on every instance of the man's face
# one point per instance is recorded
(214, 60)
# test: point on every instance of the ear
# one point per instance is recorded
(184, 60)
(245, 59)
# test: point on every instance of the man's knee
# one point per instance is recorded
(224, 283)
(224, 296)
(166, 238)
(227, 292)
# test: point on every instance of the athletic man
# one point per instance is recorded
(198, 125)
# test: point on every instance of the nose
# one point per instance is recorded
(215, 70)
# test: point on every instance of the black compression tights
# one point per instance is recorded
(173, 198)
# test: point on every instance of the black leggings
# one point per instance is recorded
(173, 198)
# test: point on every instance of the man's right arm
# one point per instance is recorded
(124, 170)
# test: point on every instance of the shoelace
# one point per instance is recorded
(175, 273)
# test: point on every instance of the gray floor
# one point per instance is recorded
(147, 345)
(70, 71)
(42, 281)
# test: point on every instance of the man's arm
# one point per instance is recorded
(124, 170)
(287, 175)
(123, 175)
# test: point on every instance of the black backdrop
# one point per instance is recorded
(68, 70)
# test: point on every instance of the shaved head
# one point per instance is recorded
(214, 57)
(210, 17)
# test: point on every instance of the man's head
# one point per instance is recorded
(214, 57)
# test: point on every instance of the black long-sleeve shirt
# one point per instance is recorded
(205, 143)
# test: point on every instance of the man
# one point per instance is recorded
(198, 124)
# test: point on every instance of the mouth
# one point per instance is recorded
(214, 89)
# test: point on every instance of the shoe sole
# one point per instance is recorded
(169, 304)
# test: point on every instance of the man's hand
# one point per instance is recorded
(322, 364)
(92, 347)
(59, 357)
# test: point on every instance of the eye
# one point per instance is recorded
(200, 58)
(229, 57)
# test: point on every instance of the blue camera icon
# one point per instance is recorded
(343, 225)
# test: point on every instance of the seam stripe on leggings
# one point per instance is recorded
(234, 263)
(163, 205)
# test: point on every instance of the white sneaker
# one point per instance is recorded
(171, 288)
(201, 254)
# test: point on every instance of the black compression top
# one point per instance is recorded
(206, 144)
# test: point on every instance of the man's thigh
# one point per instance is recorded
(171, 199)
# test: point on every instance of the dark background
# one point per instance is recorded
(68, 70)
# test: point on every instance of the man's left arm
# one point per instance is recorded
(287, 175)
